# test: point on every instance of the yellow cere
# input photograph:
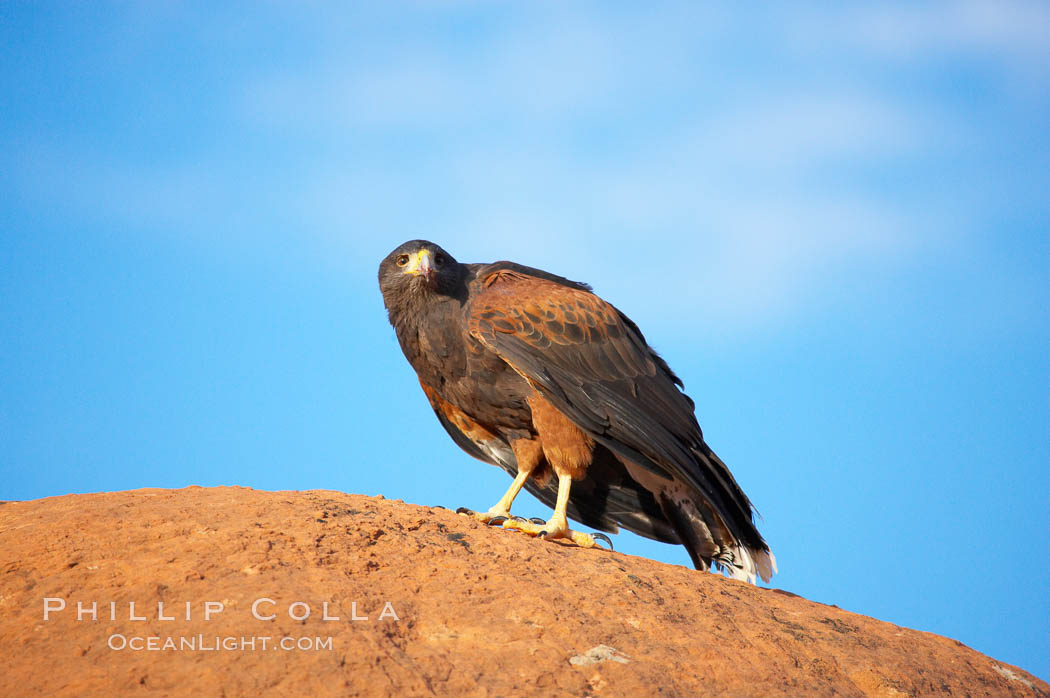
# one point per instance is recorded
(415, 261)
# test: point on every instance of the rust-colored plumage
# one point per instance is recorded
(532, 372)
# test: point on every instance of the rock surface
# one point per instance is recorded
(452, 608)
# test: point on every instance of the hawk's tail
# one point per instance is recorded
(711, 543)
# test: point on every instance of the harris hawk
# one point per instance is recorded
(535, 373)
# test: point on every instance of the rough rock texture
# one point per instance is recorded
(480, 611)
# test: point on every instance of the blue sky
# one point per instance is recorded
(833, 221)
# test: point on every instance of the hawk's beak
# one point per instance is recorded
(424, 265)
(419, 265)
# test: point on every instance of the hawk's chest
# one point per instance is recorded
(434, 345)
(462, 371)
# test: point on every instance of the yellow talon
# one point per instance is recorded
(551, 531)
(523, 525)
(584, 540)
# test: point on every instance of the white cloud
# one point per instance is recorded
(1009, 28)
(1013, 35)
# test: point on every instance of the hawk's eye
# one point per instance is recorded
(402, 260)
(439, 258)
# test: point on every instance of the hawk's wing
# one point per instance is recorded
(593, 364)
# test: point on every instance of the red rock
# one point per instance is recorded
(480, 611)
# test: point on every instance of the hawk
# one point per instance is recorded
(535, 373)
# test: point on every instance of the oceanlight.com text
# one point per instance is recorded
(217, 643)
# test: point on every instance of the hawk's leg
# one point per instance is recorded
(569, 451)
(501, 509)
(558, 525)
(528, 453)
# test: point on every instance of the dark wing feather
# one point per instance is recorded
(594, 365)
